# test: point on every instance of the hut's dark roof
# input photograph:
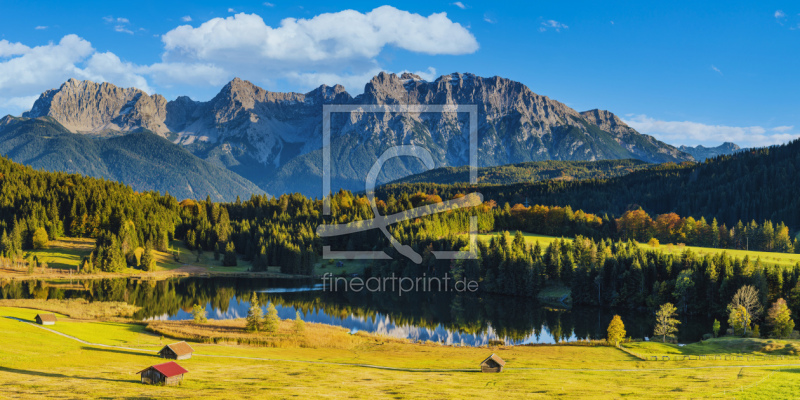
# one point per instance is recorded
(181, 348)
(47, 317)
(167, 369)
(496, 359)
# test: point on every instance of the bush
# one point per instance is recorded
(708, 336)
(40, 239)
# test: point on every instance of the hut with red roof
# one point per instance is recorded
(169, 374)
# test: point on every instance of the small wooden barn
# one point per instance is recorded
(493, 364)
(177, 351)
(46, 319)
(169, 374)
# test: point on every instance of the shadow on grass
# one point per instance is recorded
(120, 351)
(54, 375)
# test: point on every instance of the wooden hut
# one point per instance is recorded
(493, 364)
(46, 319)
(169, 374)
(177, 351)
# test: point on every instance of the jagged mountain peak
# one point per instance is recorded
(259, 133)
(99, 108)
(607, 121)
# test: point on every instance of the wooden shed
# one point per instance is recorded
(493, 364)
(46, 319)
(169, 374)
(177, 351)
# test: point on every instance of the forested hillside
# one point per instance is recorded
(599, 265)
(141, 159)
(530, 172)
(757, 184)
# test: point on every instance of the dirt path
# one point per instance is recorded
(417, 369)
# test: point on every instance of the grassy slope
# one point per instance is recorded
(39, 364)
(721, 346)
(67, 253)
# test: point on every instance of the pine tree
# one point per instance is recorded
(230, 255)
(254, 315)
(299, 324)
(199, 314)
(148, 261)
(271, 322)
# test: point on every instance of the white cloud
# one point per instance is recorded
(489, 19)
(40, 28)
(715, 69)
(333, 48)
(779, 14)
(8, 49)
(25, 72)
(687, 132)
(18, 103)
(231, 10)
(459, 5)
(186, 18)
(48, 64)
(342, 45)
(552, 24)
(122, 29)
(326, 37)
(268, 4)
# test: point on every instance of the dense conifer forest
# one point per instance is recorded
(601, 266)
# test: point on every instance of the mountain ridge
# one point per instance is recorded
(274, 138)
(702, 153)
(140, 159)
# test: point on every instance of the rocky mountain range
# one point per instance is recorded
(701, 153)
(140, 159)
(274, 139)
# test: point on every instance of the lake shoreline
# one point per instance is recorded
(186, 271)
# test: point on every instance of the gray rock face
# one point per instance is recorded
(275, 138)
(644, 147)
(88, 107)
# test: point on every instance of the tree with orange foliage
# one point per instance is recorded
(666, 226)
(635, 224)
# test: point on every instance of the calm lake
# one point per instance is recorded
(469, 320)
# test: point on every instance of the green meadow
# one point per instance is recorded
(767, 258)
(36, 363)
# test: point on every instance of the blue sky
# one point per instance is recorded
(685, 72)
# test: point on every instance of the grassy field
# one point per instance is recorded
(720, 346)
(66, 254)
(35, 363)
(63, 257)
(767, 258)
(348, 267)
(206, 259)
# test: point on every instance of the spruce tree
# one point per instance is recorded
(230, 255)
(254, 315)
(271, 322)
